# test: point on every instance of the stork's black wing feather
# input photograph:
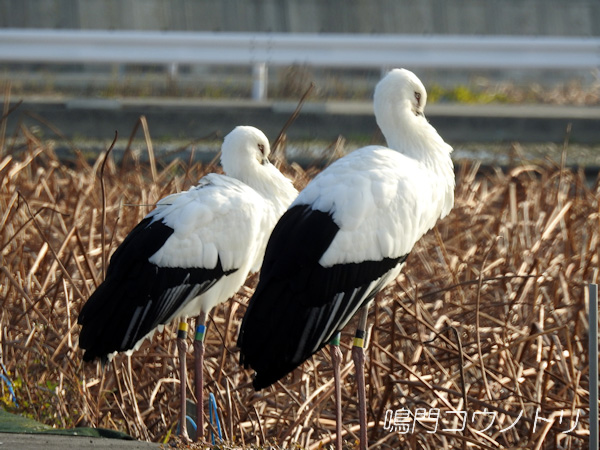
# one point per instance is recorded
(137, 295)
(298, 304)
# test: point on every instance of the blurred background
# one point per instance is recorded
(469, 104)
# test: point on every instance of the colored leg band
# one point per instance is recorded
(359, 339)
(200, 331)
(335, 340)
(182, 331)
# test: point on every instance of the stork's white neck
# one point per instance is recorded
(265, 179)
(243, 166)
(413, 136)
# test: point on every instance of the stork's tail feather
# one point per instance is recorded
(107, 323)
(271, 346)
(276, 336)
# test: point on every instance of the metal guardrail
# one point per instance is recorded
(261, 50)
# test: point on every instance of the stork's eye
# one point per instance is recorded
(418, 97)
(261, 148)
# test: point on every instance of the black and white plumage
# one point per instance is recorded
(192, 252)
(348, 234)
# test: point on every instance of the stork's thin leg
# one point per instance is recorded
(336, 359)
(358, 356)
(199, 352)
(182, 348)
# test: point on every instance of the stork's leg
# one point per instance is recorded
(199, 352)
(336, 359)
(358, 356)
(182, 348)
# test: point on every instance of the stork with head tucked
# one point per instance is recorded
(194, 251)
(346, 237)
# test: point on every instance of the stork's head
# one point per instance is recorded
(244, 148)
(244, 155)
(401, 89)
(399, 101)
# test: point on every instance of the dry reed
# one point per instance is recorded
(486, 324)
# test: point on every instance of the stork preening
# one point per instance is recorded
(194, 251)
(346, 237)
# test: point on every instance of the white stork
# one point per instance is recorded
(346, 237)
(194, 251)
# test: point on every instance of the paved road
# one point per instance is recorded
(14, 441)
(194, 118)
(19, 433)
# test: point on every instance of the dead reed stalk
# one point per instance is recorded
(506, 271)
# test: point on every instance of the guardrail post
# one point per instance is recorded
(593, 360)
(260, 78)
(173, 70)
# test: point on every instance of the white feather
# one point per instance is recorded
(225, 218)
(385, 199)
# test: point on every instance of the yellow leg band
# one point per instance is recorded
(182, 331)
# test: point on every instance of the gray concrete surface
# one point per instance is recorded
(522, 17)
(14, 441)
(171, 119)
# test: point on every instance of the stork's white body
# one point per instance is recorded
(348, 234)
(193, 251)
(220, 219)
(382, 200)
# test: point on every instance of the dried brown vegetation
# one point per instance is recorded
(489, 316)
